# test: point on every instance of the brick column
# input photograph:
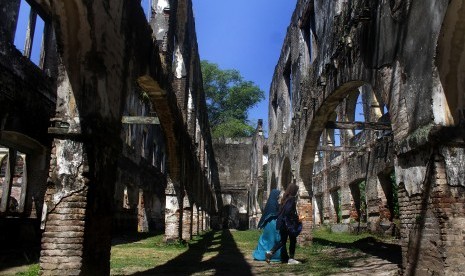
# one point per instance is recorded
(64, 211)
(304, 208)
(63, 238)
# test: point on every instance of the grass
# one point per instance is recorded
(32, 270)
(226, 252)
(143, 254)
(317, 259)
(325, 233)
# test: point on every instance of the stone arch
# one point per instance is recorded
(286, 173)
(450, 62)
(325, 112)
(317, 126)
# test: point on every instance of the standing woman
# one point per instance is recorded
(270, 236)
(287, 213)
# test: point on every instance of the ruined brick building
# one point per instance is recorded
(104, 128)
(240, 164)
(104, 124)
(366, 115)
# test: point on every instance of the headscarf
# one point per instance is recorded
(271, 208)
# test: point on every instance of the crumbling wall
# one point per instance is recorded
(112, 62)
(392, 54)
(233, 156)
(27, 101)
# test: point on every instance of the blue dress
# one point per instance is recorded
(270, 236)
(267, 240)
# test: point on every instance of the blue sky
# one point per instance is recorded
(246, 35)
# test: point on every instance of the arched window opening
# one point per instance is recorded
(13, 181)
(274, 104)
(389, 208)
(288, 92)
(335, 197)
(308, 33)
(126, 204)
(359, 111)
(33, 35)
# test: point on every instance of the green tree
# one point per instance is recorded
(229, 97)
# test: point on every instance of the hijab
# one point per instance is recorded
(271, 208)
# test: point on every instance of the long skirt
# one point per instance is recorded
(269, 237)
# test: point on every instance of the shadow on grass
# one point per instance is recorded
(228, 260)
(10, 258)
(389, 252)
(122, 238)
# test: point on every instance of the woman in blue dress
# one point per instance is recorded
(270, 236)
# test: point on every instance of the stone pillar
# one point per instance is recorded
(207, 221)
(373, 203)
(195, 221)
(142, 221)
(187, 220)
(201, 220)
(172, 213)
(346, 204)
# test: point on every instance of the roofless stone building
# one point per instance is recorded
(104, 128)
(104, 123)
(366, 113)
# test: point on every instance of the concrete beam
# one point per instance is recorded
(341, 149)
(358, 125)
(142, 120)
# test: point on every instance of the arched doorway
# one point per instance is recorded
(450, 62)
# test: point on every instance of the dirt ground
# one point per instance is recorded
(217, 253)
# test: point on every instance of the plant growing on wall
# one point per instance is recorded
(229, 97)
(395, 198)
(363, 202)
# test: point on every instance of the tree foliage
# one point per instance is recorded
(229, 97)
